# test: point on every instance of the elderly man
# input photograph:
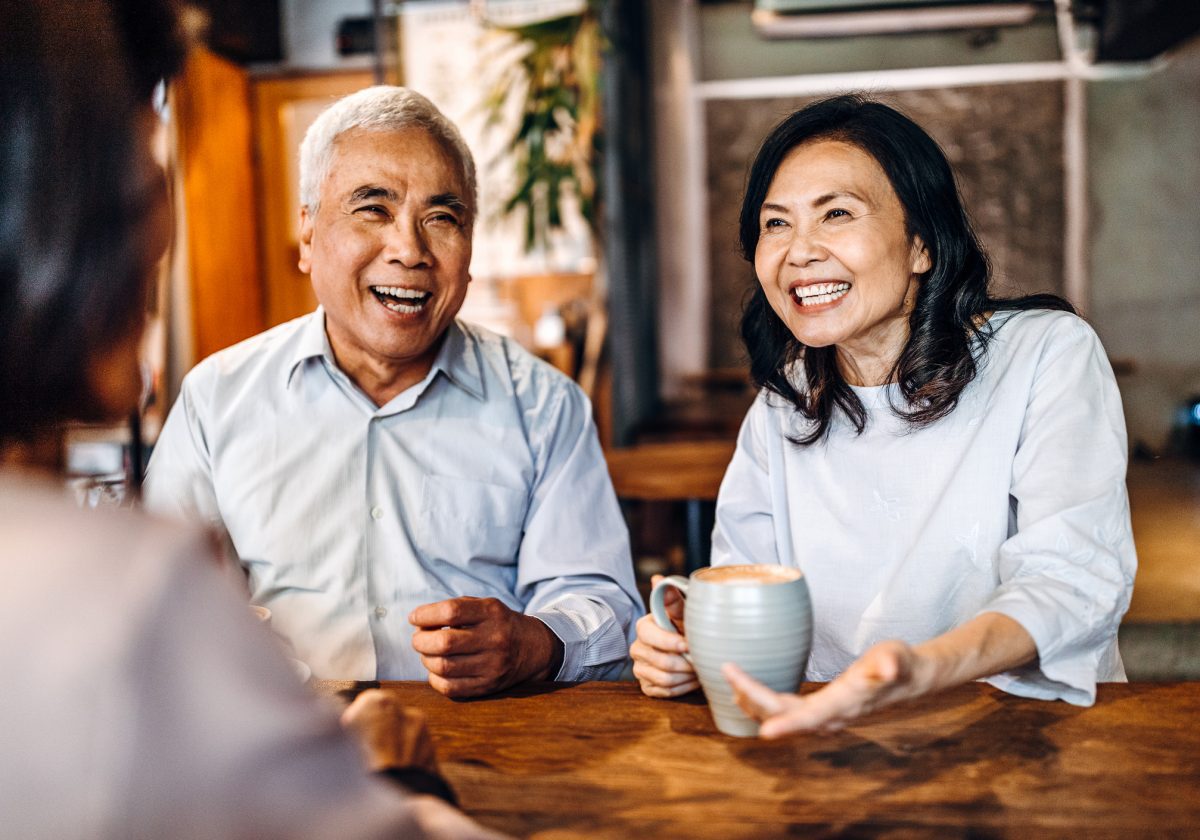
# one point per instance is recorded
(407, 493)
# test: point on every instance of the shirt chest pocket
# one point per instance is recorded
(466, 522)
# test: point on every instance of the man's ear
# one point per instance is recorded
(306, 235)
(920, 257)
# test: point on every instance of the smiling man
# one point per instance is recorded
(410, 495)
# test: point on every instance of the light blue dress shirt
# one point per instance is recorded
(484, 479)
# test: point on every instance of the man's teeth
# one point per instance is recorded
(399, 299)
(819, 293)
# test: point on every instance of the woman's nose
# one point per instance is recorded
(805, 247)
(405, 244)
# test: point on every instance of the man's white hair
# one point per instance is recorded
(379, 108)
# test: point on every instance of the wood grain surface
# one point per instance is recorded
(601, 760)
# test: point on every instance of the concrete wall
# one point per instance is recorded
(310, 28)
(1144, 166)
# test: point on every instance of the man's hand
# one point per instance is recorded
(389, 734)
(474, 646)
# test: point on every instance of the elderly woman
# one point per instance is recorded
(946, 467)
(141, 699)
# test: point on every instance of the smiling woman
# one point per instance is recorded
(835, 260)
(946, 467)
(888, 174)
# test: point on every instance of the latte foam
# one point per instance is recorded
(759, 574)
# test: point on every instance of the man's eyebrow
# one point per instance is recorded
(369, 191)
(452, 200)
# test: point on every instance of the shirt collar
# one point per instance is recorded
(312, 343)
(458, 357)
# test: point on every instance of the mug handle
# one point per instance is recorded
(657, 608)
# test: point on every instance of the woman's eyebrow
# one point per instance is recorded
(835, 195)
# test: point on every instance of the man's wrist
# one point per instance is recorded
(551, 652)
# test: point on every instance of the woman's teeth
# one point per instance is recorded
(399, 299)
(819, 293)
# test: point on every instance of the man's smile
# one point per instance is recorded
(399, 299)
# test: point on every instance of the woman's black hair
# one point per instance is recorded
(946, 333)
(72, 274)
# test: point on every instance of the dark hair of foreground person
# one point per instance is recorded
(72, 276)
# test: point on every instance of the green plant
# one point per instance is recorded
(556, 141)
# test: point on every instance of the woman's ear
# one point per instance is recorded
(920, 257)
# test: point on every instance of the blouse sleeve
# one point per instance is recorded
(1066, 573)
(745, 530)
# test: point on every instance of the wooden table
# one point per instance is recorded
(601, 760)
(684, 471)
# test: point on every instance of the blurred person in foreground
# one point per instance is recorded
(946, 467)
(141, 698)
(412, 496)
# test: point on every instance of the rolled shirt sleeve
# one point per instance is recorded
(574, 567)
(1066, 574)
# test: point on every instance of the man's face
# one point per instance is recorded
(388, 250)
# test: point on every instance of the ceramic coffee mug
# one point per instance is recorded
(758, 617)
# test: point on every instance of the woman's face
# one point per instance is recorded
(834, 259)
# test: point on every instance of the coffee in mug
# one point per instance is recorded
(756, 616)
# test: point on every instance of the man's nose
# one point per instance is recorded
(406, 245)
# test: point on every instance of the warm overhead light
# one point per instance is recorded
(828, 24)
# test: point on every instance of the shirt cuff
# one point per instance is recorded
(583, 651)
(1061, 672)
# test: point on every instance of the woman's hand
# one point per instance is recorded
(657, 654)
(888, 673)
(885, 674)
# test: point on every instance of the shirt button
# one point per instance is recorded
(377, 512)
(380, 612)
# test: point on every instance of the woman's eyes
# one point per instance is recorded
(837, 213)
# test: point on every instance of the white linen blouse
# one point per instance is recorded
(1015, 503)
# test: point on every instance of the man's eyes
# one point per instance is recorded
(446, 218)
(374, 210)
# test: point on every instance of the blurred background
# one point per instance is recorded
(613, 139)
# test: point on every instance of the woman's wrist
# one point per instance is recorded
(988, 644)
